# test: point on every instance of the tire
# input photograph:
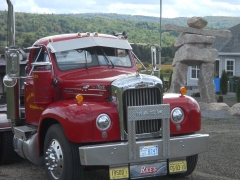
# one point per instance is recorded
(62, 159)
(7, 152)
(191, 165)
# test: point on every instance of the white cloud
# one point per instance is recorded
(171, 8)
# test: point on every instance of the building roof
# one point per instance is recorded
(231, 45)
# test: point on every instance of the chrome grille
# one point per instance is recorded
(142, 97)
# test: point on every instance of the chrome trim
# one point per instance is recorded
(117, 153)
(97, 90)
(81, 89)
(183, 115)
(109, 119)
(152, 112)
(86, 94)
(126, 82)
(28, 149)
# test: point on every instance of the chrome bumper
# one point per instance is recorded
(118, 153)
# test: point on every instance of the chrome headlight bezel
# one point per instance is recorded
(177, 115)
(103, 122)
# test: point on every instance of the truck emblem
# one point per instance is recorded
(141, 85)
(150, 112)
(85, 87)
(102, 87)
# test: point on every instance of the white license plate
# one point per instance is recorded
(147, 151)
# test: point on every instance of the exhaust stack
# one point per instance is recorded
(11, 24)
(11, 79)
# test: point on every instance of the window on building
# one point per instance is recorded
(230, 66)
(195, 72)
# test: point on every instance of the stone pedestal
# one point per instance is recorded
(205, 83)
(179, 77)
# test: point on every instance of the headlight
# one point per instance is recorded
(177, 115)
(103, 122)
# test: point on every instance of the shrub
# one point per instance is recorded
(238, 91)
(224, 83)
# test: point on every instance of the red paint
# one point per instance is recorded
(45, 100)
(191, 109)
(79, 120)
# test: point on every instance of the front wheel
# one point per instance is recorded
(62, 159)
(191, 165)
(6, 147)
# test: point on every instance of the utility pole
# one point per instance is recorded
(160, 43)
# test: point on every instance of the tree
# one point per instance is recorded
(238, 91)
(224, 83)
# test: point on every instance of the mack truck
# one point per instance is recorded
(86, 105)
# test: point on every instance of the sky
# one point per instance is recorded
(170, 8)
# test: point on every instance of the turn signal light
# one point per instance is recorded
(79, 34)
(79, 98)
(183, 91)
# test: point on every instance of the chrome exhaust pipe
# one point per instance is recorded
(12, 70)
(11, 24)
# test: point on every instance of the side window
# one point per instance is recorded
(41, 55)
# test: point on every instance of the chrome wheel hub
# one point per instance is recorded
(54, 159)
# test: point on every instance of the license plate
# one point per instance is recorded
(146, 151)
(177, 166)
(119, 173)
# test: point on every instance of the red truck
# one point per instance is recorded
(86, 105)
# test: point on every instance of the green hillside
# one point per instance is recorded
(214, 22)
(143, 29)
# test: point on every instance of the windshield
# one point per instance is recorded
(94, 56)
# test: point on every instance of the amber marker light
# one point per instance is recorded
(50, 40)
(88, 33)
(95, 34)
(79, 34)
(79, 98)
(183, 91)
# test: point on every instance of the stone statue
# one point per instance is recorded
(194, 45)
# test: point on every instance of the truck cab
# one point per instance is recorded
(86, 105)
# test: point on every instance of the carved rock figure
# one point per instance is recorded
(194, 45)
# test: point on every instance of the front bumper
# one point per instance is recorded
(119, 153)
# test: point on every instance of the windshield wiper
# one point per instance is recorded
(109, 60)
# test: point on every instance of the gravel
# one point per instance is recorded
(216, 115)
(220, 162)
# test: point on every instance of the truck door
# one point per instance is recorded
(38, 85)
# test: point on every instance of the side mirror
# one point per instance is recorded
(12, 63)
(154, 57)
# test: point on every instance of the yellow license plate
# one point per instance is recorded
(118, 173)
(177, 166)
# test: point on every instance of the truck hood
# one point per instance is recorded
(91, 83)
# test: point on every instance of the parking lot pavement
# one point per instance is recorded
(221, 162)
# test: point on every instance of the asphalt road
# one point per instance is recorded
(221, 162)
